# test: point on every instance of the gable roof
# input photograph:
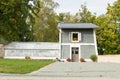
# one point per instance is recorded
(76, 25)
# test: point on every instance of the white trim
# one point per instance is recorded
(79, 52)
(60, 32)
(95, 42)
(30, 57)
(72, 36)
(79, 38)
(77, 43)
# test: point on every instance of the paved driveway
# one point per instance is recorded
(71, 71)
(75, 69)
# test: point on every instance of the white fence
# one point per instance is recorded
(34, 50)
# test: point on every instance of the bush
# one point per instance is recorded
(82, 60)
(27, 57)
(1, 57)
(93, 58)
(68, 59)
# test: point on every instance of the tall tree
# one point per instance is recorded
(84, 15)
(66, 17)
(114, 13)
(108, 35)
(16, 19)
(45, 28)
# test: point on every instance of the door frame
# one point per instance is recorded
(78, 52)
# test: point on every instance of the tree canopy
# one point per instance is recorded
(45, 28)
(16, 19)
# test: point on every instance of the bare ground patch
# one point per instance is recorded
(109, 58)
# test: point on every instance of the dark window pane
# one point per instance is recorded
(75, 36)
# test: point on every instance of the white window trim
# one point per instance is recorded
(79, 36)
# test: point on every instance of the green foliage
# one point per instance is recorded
(27, 57)
(45, 28)
(16, 19)
(21, 66)
(93, 58)
(66, 17)
(108, 34)
(84, 15)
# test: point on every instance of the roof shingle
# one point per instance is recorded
(76, 25)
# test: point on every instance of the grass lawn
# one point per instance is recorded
(21, 66)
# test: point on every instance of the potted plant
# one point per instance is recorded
(82, 60)
(93, 58)
(68, 59)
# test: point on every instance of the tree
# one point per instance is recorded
(114, 13)
(66, 17)
(17, 18)
(108, 34)
(45, 28)
(84, 15)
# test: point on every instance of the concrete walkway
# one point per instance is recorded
(71, 71)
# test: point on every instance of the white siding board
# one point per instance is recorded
(38, 53)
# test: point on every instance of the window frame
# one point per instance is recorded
(79, 36)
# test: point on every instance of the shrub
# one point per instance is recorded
(82, 60)
(93, 58)
(68, 59)
(27, 57)
(1, 57)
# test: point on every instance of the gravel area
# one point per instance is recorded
(109, 58)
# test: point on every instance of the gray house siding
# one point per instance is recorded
(87, 51)
(86, 35)
(77, 40)
(65, 51)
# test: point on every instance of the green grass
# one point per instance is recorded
(21, 66)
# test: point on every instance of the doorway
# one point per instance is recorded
(75, 54)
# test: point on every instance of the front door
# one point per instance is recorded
(75, 54)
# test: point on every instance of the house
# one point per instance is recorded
(35, 50)
(77, 40)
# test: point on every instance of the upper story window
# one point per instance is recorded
(75, 36)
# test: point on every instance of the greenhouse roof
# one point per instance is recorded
(33, 45)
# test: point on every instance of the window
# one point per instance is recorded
(75, 36)
(75, 50)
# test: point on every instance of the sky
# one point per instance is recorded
(73, 6)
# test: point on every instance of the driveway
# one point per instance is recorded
(75, 69)
(71, 71)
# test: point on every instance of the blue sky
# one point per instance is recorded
(73, 6)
